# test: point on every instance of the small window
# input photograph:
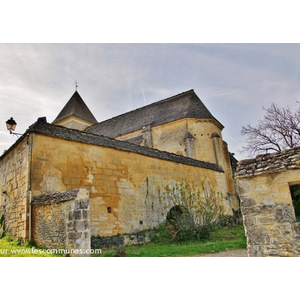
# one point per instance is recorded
(109, 210)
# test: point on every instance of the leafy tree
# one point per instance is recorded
(278, 130)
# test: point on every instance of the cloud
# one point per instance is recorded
(233, 80)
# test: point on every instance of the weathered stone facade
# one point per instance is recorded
(14, 188)
(152, 147)
(266, 203)
(62, 221)
(123, 179)
(123, 184)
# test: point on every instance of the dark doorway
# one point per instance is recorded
(295, 193)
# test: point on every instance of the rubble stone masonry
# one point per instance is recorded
(266, 204)
(62, 221)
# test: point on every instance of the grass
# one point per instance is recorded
(227, 238)
(13, 248)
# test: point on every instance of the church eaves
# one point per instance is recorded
(184, 105)
(76, 107)
(88, 138)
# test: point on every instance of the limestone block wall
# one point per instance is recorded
(61, 220)
(201, 144)
(123, 185)
(266, 203)
(14, 185)
(170, 137)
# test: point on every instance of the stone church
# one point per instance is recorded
(119, 165)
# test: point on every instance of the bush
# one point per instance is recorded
(228, 221)
(195, 234)
(194, 211)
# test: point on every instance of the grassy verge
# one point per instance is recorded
(227, 238)
(13, 248)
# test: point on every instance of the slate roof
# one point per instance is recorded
(184, 105)
(76, 107)
(88, 138)
(269, 163)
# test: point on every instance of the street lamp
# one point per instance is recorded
(11, 126)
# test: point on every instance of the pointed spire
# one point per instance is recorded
(76, 107)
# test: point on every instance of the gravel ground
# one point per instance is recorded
(229, 253)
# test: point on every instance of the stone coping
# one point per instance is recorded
(48, 199)
(268, 163)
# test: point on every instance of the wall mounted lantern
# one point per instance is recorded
(11, 126)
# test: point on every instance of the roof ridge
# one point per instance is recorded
(142, 107)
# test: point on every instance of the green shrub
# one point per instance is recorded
(195, 234)
(227, 220)
(193, 212)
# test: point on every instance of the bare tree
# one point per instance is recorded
(278, 130)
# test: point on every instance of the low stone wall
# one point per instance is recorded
(122, 240)
(266, 203)
(62, 221)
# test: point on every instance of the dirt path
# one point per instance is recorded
(229, 253)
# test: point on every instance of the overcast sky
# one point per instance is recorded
(234, 81)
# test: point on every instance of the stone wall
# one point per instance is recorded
(14, 186)
(124, 185)
(122, 240)
(266, 203)
(171, 136)
(196, 138)
(61, 220)
(123, 179)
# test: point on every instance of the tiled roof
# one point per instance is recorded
(76, 107)
(184, 105)
(88, 138)
(268, 163)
